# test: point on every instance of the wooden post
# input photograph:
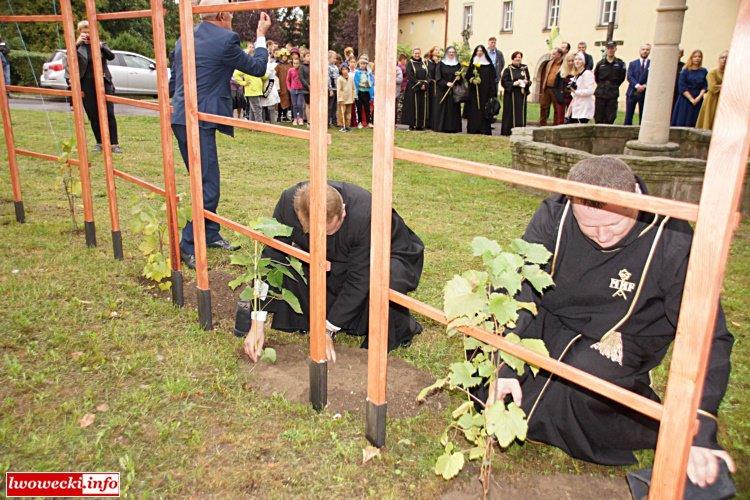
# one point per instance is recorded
(722, 187)
(15, 179)
(382, 192)
(83, 155)
(194, 160)
(101, 107)
(160, 48)
(318, 188)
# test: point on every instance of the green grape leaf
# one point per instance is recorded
(462, 409)
(486, 368)
(505, 424)
(513, 362)
(538, 278)
(297, 266)
(470, 343)
(460, 299)
(247, 293)
(503, 308)
(449, 464)
(466, 421)
(477, 279)
(241, 260)
(439, 384)
(239, 280)
(536, 345)
(275, 278)
(533, 252)
(75, 188)
(461, 375)
(291, 299)
(476, 452)
(529, 306)
(269, 355)
(481, 246)
(271, 227)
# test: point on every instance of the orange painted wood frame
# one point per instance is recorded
(318, 141)
(716, 222)
(65, 17)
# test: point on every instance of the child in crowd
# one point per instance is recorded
(345, 97)
(296, 90)
(333, 75)
(253, 91)
(352, 62)
(304, 77)
(282, 68)
(364, 82)
(270, 98)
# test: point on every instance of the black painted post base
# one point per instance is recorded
(178, 297)
(318, 385)
(117, 245)
(375, 426)
(20, 212)
(90, 230)
(204, 309)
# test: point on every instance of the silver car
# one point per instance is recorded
(131, 73)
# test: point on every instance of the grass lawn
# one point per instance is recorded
(79, 331)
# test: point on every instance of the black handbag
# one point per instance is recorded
(492, 108)
(461, 91)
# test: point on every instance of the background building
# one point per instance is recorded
(422, 23)
(526, 25)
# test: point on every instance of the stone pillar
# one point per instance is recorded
(653, 137)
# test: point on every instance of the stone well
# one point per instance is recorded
(554, 150)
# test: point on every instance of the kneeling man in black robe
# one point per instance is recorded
(619, 275)
(349, 214)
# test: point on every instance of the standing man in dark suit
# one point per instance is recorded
(588, 57)
(496, 57)
(217, 55)
(637, 77)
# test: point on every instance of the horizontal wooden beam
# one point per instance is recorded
(663, 206)
(258, 126)
(129, 14)
(136, 103)
(42, 156)
(262, 238)
(38, 90)
(140, 182)
(251, 5)
(595, 384)
(44, 18)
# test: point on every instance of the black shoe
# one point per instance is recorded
(223, 244)
(188, 259)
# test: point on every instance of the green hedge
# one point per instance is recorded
(20, 71)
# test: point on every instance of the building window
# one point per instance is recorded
(411, 28)
(553, 13)
(432, 26)
(608, 12)
(468, 17)
(507, 16)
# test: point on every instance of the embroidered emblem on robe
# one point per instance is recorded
(622, 286)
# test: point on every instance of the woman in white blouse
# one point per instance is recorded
(582, 86)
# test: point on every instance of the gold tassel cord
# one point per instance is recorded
(610, 346)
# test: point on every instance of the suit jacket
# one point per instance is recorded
(84, 54)
(217, 55)
(589, 61)
(636, 76)
(499, 64)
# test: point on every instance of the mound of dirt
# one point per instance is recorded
(560, 486)
(347, 381)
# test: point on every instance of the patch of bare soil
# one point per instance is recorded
(558, 486)
(347, 381)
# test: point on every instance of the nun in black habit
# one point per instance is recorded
(481, 90)
(516, 81)
(612, 312)
(348, 281)
(446, 112)
(416, 108)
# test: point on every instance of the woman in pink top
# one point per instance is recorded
(294, 84)
(582, 86)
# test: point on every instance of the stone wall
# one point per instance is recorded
(554, 150)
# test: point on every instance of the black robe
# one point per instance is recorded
(593, 291)
(476, 120)
(416, 108)
(348, 281)
(432, 78)
(514, 97)
(446, 114)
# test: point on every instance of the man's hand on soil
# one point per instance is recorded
(703, 465)
(254, 340)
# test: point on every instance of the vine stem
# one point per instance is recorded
(472, 396)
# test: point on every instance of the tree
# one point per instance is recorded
(342, 25)
(366, 26)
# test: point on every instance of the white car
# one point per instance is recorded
(131, 73)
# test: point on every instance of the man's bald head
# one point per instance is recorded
(206, 16)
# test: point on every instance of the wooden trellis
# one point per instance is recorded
(716, 218)
(66, 18)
